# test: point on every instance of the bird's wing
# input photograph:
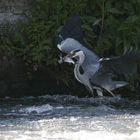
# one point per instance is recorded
(69, 34)
(71, 38)
(125, 64)
(69, 45)
(71, 29)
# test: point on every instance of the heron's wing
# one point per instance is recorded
(71, 29)
(70, 44)
(125, 64)
(70, 36)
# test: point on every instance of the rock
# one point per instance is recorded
(13, 10)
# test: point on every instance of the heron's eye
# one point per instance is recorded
(76, 50)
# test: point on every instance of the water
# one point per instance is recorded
(69, 118)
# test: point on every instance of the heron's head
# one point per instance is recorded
(73, 56)
(70, 58)
(75, 53)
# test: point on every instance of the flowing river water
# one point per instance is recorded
(65, 117)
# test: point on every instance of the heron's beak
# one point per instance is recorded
(67, 59)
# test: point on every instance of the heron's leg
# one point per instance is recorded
(110, 92)
(90, 89)
(92, 93)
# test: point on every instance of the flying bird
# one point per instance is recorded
(89, 69)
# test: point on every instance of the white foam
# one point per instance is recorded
(37, 109)
(66, 135)
(99, 135)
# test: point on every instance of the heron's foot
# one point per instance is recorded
(92, 94)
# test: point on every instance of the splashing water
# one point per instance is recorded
(69, 118)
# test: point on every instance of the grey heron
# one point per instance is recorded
(107, 68)
(90, 70)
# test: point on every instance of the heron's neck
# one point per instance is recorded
(77, 67)
(81, 58)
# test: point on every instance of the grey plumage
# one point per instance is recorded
(125, 64)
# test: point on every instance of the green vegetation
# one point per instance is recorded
(108, 26)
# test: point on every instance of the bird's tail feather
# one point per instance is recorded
(119, 84)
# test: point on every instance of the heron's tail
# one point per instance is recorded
(118, 84)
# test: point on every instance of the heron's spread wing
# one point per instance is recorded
(71, 29)
(69, 45)
(70, 36)
(125, 64)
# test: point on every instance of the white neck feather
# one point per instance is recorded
(81, 57)
(77, 66)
